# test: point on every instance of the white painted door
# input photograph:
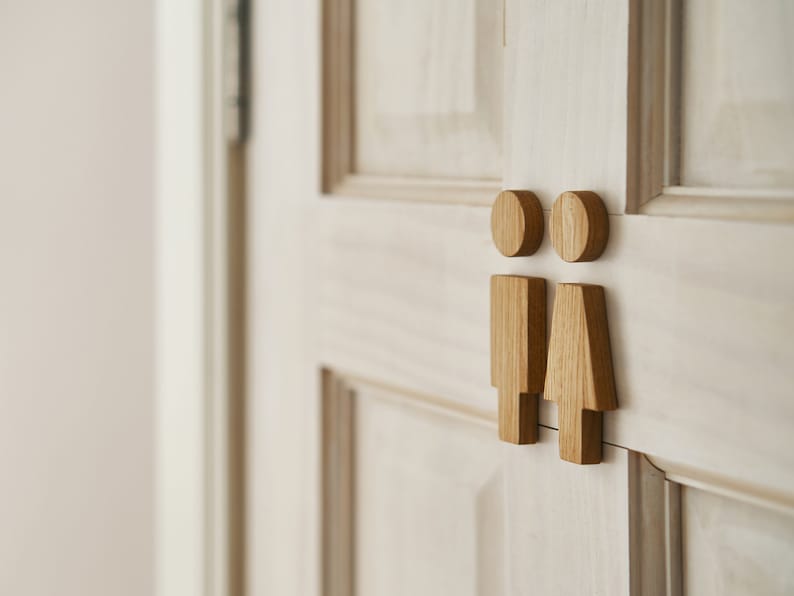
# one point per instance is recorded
(382, 132)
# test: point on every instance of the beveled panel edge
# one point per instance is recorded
(352, 382)
(338, 88)
(654, 130)
(337, 175)
(685, 475)
(654, 530)
(652, 101)
(338, 480)
(407, 188)
(744, 205)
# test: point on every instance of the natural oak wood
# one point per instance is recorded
(518, 358)
(579, 226)
(517, 223)
(579, 376)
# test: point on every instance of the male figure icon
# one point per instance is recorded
(518, 319)
(518, 353)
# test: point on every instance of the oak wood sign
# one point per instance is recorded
(577, 373)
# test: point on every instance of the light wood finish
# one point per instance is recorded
(655, 527)
(428, 88)
(429, 496)
(421, 287)
(467, 509)
(518, 353)
(737, 94)
(338, 448)
(579, 226)
(699, 310)
(732, 548)
(565, 120)
(723, 203)
(654, 54)
(412, 99)
(579, 376)
(572, 527)
(710, 110)
(404, 188)
(517, 223)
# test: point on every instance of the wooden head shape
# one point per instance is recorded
(579, 226)
(517, 223)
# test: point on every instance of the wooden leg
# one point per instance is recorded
(580, 434)
(518, 418)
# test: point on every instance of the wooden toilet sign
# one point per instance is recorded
(518, 353)
(577, 374)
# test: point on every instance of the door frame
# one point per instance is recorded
(198, 256)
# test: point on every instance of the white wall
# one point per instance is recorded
(76, 298)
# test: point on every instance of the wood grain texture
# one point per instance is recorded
(453, 480)
(733, 548)
(652, 155)
(737, 95)
(412, 99)
(390, 282)
(655, 524)
(429, 497)
(579, 376)
(517, 223)
(579, 226)
(572, 528)
(565, 116)
(518, 353)
(338, 485)
(710, 110)
(428, 88)
(700, 310)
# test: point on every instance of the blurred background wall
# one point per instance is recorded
(76, 297)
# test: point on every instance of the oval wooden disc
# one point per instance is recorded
(579, 226)
(517, 223)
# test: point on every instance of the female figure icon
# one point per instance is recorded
(580, 376)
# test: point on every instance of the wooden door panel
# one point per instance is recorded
(419, 120)
(565, 82)
(405, 300)
(432, 107)
(396, 293)
(430, 495)
(569, 525)
(711, 110)
(420, 498)
(731, 547)
(737, 95)
(414, 494)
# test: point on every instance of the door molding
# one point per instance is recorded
(198, 394)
